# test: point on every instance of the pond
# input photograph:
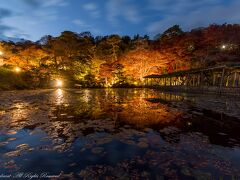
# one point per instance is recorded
(118, 134)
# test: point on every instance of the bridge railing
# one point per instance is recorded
(217, 79)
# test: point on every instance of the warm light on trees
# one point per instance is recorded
(140, 63)
(115, 60)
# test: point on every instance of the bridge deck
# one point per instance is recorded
(225, 78)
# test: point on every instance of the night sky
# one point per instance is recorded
(31, 19)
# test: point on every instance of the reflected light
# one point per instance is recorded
(86, 96)
(20, 114)
(59, 92)
(1, 53)
(59, 83)
(59, 98)
(223, 46)
(189, 123)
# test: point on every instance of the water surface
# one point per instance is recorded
(119, 133)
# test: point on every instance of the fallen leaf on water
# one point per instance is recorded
(97, 150)
(22, 147)
(12, 153)
(11, 132)
(142, 145)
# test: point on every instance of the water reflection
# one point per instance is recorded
(128, 107)
(59, 96)
(108, 132)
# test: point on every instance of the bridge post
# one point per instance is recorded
(193, 80)
(234, 79)
(198, 79)
(214, 79)
(238, 80)
(222, 79)
(201, 78)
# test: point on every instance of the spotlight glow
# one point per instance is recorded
(17, 69)
(59, 83)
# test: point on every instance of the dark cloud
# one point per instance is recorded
(4, 13)
(17, 33)
(45, 3)
(192, 14)
(4, 28)
(33, 3)
(117, 9)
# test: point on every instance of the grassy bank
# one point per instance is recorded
(10, 80)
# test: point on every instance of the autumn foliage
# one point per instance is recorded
(111, 60)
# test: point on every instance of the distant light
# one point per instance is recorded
(223, 46)
(17, 69)
(1, 53)
(59, 83)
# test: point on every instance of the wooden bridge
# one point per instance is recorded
(220, 79)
